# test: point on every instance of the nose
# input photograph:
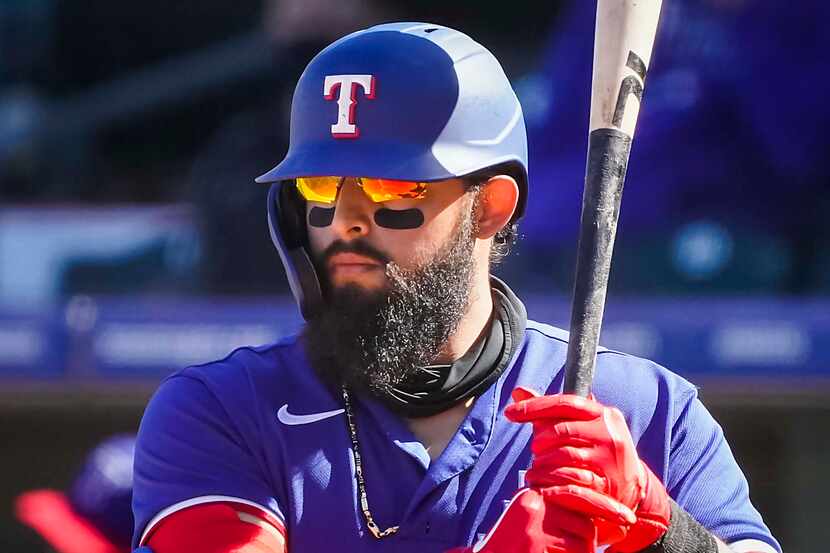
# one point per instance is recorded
(353, 211)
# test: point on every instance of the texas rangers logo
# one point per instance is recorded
(346, 87)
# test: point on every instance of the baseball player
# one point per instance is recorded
(94, 515)
(419, 410)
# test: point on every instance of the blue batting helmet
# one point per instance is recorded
(404, 101)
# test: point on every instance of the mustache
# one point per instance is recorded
(357, 246)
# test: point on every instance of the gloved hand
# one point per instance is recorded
(531, 525)
(586, 461)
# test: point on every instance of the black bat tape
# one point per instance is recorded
(608, 151)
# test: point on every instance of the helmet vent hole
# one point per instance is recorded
(431, 30)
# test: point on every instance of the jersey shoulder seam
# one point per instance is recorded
(282, 343)
(691, 390)
(543, 332)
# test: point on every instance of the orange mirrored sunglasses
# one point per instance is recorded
(324, 189)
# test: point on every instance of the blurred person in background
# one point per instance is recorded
(737, 94)
(94, 515)
(232, 234)
(234, 228)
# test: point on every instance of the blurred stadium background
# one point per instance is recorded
(133, 240)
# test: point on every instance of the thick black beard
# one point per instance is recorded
(372, 341)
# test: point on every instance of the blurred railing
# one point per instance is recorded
(752, 346)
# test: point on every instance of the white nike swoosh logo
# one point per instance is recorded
(291, 420)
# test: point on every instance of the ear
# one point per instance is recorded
(499, 197)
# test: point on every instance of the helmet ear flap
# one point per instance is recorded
(292, 216)
(286, 221)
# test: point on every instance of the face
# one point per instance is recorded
(397, 278)
(393, 296)
(354, 242)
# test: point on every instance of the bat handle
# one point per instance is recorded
(604, 177)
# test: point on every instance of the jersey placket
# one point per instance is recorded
(431, 511)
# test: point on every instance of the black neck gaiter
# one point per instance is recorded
(436, 388)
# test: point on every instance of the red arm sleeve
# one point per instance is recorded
(218, 528)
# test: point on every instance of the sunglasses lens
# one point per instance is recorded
(318, 189)
(324, 189)
(385, 190)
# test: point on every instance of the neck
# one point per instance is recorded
(475, 321)
(436, 431)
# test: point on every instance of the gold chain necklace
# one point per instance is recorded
(358, 471)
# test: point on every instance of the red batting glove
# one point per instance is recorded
(532, 525)
(586, 460)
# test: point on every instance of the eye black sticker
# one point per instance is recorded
(399, 219)
(396, 219)
(320, 216)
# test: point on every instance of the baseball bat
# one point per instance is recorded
(623, 42)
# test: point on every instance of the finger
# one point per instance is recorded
(608, 532)
(588, 502)
(573, 544)
(559, 406)
(568, 456)
(549, 435)
(566, 543)
(564, 476)
(520, 393)
(558, 519)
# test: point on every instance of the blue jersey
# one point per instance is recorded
(259, 428)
